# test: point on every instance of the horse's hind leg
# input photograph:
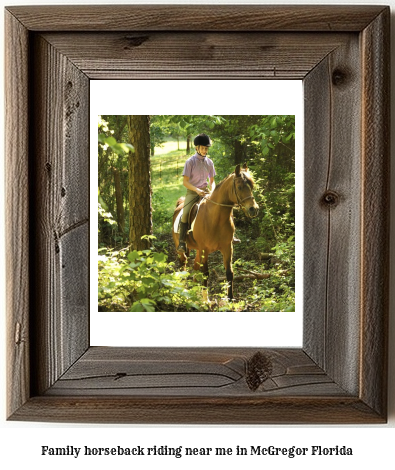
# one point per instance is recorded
(227, 255)
(201, 264)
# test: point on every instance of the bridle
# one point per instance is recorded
(239, 201)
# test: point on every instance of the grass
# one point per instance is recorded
(166, 178)
(169, 148)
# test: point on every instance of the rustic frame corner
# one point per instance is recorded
(340, 374)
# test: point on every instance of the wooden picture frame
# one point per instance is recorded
(340, 374)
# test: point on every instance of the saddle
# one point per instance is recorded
(191, 217)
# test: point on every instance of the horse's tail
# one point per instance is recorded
(179, 206)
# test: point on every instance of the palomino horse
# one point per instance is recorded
(214, 227)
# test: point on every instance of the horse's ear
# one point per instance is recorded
(245, 167)
(237, 170)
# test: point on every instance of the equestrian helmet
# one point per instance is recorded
(202, 139)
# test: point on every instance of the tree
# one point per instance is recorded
(112, 168)
(140, 205)
(119, 200)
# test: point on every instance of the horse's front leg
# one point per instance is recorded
(227, 255)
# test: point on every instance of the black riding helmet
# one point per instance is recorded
(202, 139)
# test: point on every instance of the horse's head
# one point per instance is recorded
(243, 186)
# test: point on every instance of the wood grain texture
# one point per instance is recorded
(180, 372)
(60, 213)
(17, 192)
(339, 376)
(196, 17)
(376, 211)
(198, 410)
(200, 55)
(333, 214)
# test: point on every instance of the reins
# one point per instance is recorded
(219, 204)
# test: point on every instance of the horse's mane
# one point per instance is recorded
(245, 174)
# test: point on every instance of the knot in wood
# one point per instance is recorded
(330, 199)
(135, 41)
(339, 77)
(259, 369)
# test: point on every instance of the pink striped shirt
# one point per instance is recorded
(199, 169)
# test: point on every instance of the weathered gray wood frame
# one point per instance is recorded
(340, 374)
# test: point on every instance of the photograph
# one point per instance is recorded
(196, 213)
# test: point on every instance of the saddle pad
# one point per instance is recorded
(176, 226)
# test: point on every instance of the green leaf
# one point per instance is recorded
(137, 307)
(159, 257)
(133, 255)
(110, 141)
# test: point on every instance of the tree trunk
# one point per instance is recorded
(188, 143)
(140, 209)
(119, 201)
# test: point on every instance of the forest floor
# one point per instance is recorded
(216, 284)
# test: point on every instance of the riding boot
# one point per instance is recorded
(182, 248)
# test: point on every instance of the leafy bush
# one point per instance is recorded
(278, 292)
(143, 281)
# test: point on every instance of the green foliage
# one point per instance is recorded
(119, 148)
(277, 293)
(105, 216)
(274, 130)
(143, 281)
(267, 144)
(188, 124)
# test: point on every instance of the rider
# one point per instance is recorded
(197, 170)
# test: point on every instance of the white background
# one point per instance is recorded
(20, 443)
(188, 329)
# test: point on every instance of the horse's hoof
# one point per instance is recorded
(181, 248)
(236, 240)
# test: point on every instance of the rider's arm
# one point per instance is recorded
(212, 184)
(190, 186)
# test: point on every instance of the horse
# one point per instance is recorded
(214, 227)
